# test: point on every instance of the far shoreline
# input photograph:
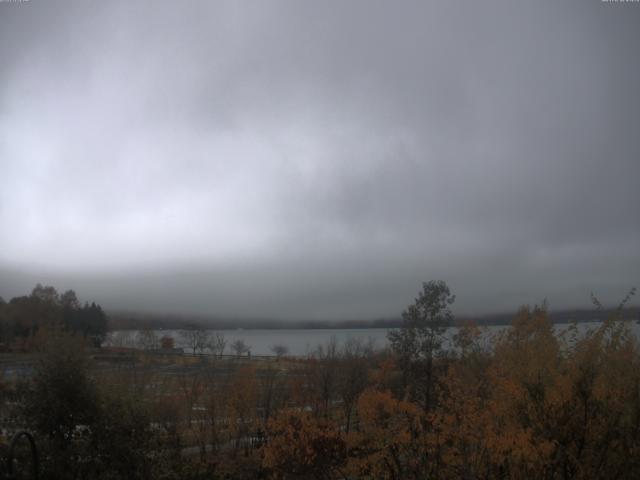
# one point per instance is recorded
(150, 321)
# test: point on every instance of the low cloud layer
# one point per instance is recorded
(319, 159)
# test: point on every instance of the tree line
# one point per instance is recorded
(22, 318)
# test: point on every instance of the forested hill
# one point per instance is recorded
(119, 320)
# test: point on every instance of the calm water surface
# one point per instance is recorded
(304, 341)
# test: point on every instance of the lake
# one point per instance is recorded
(301, 342)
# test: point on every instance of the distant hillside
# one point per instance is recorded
(559, 316)
(138, 320)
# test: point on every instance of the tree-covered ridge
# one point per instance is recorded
(21, 318)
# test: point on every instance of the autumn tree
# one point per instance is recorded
(269, 383)
(61, 398)
(390, 441)
(242, 400)
(322, 375)
(86, 428)
(47, 294)
(27, 314)
(302, 446)
(354, 364)
(191, 387)
(215, 400)
(419, 340)
(122, 440)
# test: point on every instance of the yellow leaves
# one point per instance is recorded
(376, 407)
(389, 430)
(531, 407)
(298, 443)
(381, 377)
(242, 400)
(467, 337)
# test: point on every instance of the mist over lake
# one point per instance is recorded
(303, 342)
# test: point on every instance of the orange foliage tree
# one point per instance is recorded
(299, 444)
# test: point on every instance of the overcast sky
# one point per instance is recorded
(320, 159)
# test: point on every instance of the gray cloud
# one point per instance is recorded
(319, 159)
